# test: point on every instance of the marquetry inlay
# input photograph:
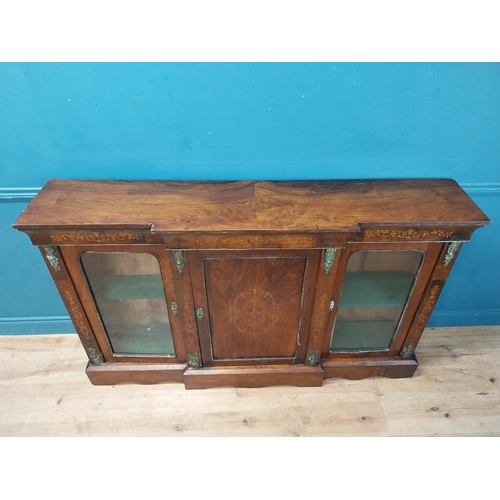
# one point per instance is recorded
(189, 323)
(407, 234)
(95, 237)
(428, 306)
(76, 315)
(319, 319)
(254, 312)
(256, 241)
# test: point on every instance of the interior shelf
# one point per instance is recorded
(376, 289)
(360, 335)
(128, 287)
(141, 339)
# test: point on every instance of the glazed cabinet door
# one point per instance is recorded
(254, 307)
(130, 299)
(376, 297)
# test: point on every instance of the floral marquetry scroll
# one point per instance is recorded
(252, 241)
(76, 314)
(254, 312)
(426, 309)
(407, 234)
(96, 238)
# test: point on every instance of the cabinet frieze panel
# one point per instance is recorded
(406, 235)
(96, 237)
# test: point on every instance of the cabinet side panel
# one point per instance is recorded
(431, 254)
(446, 259)
(59, 272)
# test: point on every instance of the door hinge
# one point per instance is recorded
(51, 255)
(178, 260)
(328, 260)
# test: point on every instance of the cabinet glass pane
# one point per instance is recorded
(376, 288)
(129, 295)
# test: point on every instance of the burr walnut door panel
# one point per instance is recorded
(256, 305)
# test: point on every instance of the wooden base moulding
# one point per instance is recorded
(249, 376)
(254, 376)
(120, 373)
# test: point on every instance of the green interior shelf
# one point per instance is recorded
(360, 335)
(141, 339)
(376, 289)
(128, 287)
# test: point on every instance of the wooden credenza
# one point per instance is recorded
(250, 283)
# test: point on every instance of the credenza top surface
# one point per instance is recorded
(217, 206)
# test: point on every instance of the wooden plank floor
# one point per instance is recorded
(455, 392)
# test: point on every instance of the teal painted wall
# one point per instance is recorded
(247, 121)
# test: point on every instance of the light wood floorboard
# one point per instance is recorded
(455, 392)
